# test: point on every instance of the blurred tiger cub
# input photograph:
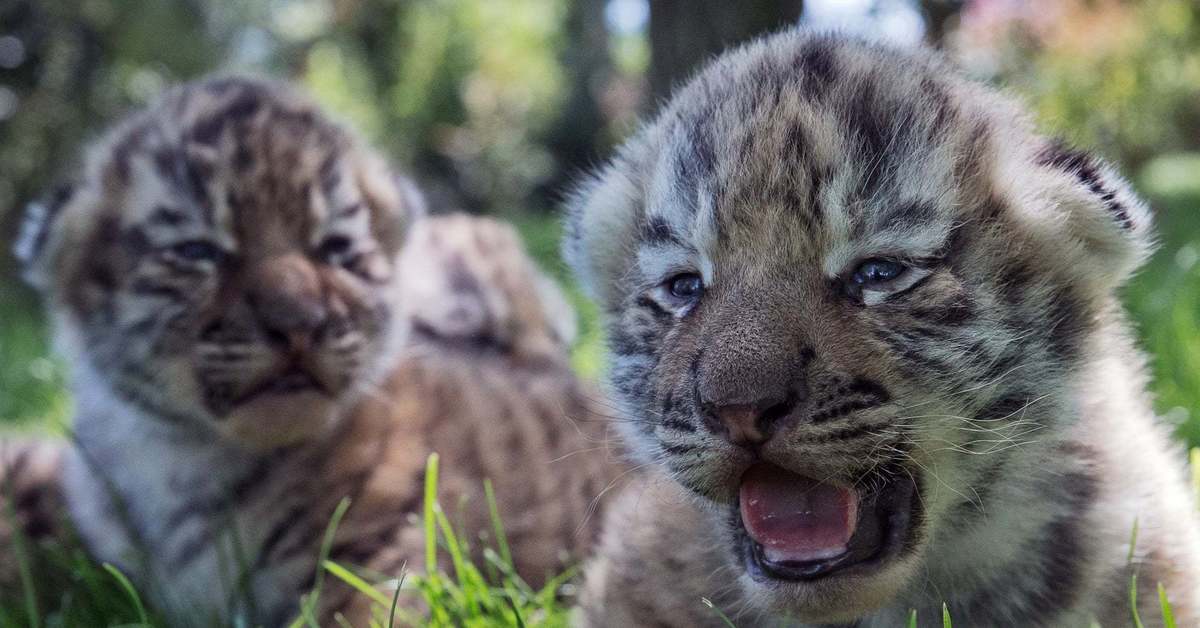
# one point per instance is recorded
(865, 324)
(249, 346)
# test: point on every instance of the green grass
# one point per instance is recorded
(66, 588)
(31, 380)
(1164, 299)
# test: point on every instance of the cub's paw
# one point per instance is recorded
(31, 501)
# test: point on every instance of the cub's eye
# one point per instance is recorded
(686, 286)
(334, 247)
(197, 251)
(874, 272)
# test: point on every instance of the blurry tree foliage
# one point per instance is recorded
(67, 67)
(461, 91)
(1122, 76)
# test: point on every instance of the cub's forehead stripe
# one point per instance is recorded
(657, 230)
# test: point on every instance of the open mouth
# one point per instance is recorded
(796, 528)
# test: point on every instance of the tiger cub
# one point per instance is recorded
(250, 345)
(865, 327)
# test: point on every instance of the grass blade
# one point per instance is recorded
(1194, 457)
(946, 623)
(143, 618)
(912, 618)
(516, 612)
(357, 583)
(467, 579)
(724, 618)
(1165, 604)
(308, 607)
(1133, 607)
(497, 524)
(431, 482)
(396, 597)
(1132, 542)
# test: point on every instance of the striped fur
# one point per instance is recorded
(995, 369)
(228, 281)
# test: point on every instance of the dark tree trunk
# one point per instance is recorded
(686, 33)
(939, 16)
(578, 136)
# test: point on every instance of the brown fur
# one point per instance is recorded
(984, 401)
(250, 346)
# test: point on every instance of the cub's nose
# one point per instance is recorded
(748, 424)
(286, 297)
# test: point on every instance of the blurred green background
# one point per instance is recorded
(495, 105)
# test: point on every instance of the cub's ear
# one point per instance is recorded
(1110, 227)
(599, 243)
(395, 201)
(36, 238)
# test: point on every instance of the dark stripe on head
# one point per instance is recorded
(869, 120)
(208, 131)
(955, 313)
(840, 410)
(909, 358)
(658, 231)
(328, 173)
(678, 424)
(148, 288)
(168, 216)
(915, 213)
(348, 210)
(798, 160)
(943, 108)
(189, 175)
(678, 450)
(867, 388)
(1005, 407)
(817, 65)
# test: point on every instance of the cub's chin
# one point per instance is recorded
(281, 414)
(822, 552)
(835, 600)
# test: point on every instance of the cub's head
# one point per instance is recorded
(843, 286)
(225, 258)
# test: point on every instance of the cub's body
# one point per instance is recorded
(849, 290)
(261, 324)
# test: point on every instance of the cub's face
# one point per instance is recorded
(226, 259)
(843, 288)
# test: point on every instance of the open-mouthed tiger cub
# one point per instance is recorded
(863, 321)
(226, 282)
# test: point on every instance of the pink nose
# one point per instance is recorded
(285, 294)
(748, 424)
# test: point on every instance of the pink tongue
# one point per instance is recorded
(795, 518)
